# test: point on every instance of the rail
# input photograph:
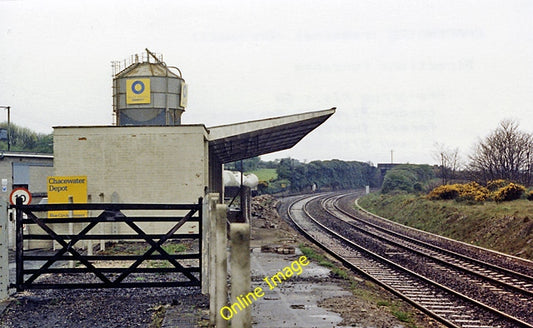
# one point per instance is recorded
(387, 274)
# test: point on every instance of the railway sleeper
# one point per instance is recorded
(470, 321)
(445, 307)
(458, 316)
(436, 303)
(431, 299)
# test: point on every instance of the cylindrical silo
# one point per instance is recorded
(149, 93)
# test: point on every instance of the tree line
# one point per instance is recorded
(24, 139)
(505, 154)
(331, 175)
(293, 175)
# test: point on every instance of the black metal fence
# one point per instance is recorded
(70, 267)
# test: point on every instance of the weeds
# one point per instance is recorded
(402, 316)
(158, 316)
(366, 292)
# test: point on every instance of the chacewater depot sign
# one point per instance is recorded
(60, 189)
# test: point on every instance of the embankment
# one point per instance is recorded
(505, 227)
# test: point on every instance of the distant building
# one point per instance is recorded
(29, 170)
(383, 168)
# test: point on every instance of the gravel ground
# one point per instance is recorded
(96, 308)
(125, 307)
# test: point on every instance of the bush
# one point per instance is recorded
(530, 195)
(444, 192)
(510, 192)
(398, 181)
(494, 185)
(408, 178)
(472, 192)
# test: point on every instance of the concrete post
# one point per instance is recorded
(221, 265)
(240, 271)
(4, 245)
(89, 243)
(246, 204)
(70, 227)
(11, 229)
(204, 252)
(114, 225)
(211, 243)
(102, 225)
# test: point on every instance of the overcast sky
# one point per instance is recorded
(403, 75)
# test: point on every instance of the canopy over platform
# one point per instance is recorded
(238, 141)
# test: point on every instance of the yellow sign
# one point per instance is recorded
(61, 188)
(138, 91)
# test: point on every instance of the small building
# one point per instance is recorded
(28, 170)
(23, 169)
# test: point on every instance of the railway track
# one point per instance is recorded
(456, 289)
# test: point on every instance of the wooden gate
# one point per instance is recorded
(153, 263)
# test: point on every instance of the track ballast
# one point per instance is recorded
(457, 284)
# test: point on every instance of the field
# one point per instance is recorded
(265, 174)
(506, 227)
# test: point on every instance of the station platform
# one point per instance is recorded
(294, 302)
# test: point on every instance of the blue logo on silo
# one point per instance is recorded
(137, 87)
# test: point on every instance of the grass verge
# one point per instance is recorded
(506, 226)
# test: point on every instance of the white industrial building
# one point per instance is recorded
(148, 156)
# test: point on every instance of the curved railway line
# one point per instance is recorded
(458, 284)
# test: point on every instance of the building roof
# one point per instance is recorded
(238, 141)
(147, 69)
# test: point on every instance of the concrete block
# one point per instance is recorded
(4, 259)
(240, 271)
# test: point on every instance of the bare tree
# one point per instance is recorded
(449, 160)
(504, 154)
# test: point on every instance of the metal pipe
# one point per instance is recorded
(4, 245)
(8, 126)
(19, 252)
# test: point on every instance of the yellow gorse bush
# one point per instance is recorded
(501, 191)
(510, 192)
(471, 191)
(494, 185)
(444, 192)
